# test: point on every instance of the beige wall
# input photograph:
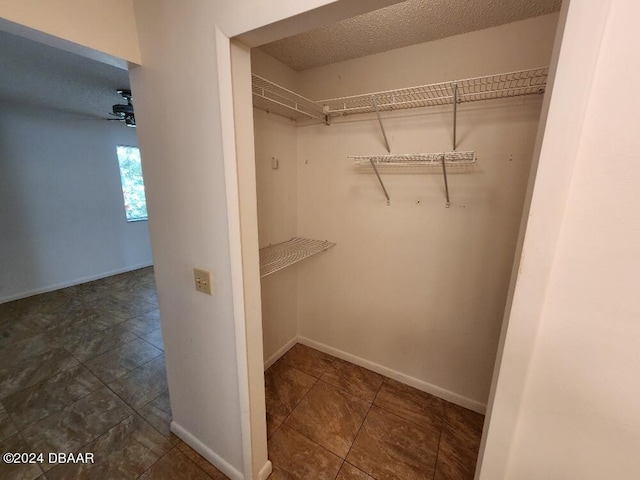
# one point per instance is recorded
(186, 126)
(276, 137)
(108, 27)
(277, 222)
(579, 416)
(414, 290)
(514, 46)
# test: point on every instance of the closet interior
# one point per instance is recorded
(397, 180)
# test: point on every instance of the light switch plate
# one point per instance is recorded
(203, 281)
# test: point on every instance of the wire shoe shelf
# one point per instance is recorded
(273, 98)
(415, 159)
(503, 85)
(281, 255)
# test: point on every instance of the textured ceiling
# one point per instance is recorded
(399, 25)
(39, 75)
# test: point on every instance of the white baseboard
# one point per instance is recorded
(280, 352)
(400, 377)
(71, 283)
(265, 471)
(229, 470)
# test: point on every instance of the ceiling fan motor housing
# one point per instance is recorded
(125, 112)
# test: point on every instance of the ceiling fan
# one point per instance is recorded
(124, 112)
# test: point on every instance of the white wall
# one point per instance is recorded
(414, 290)
(277, 194)
(579, 417)
(277, 222)
(186, 127)
(62, 213)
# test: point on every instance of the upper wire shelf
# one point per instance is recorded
(503, 85)
(273, 98)
(281, 255)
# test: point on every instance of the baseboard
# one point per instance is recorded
(265, 471)
(280, 352)
(212, 457)
(78, 281)
(400, 377)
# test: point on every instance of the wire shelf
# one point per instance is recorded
(281, 255)
(416, 159)
(503, 85)
(278, 100)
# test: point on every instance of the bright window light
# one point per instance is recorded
(135, 203)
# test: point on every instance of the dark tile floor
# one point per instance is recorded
(330, 419)
(82, 370)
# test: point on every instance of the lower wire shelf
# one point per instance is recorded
(281, 255)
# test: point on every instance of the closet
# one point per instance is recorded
(390, 190)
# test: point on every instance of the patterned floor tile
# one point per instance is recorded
(143, 384)
(158, 414)
(154, 337)
(310, 361)
(50, 396)
(125, 451)
(329, 417)
(174, 465)
(78, 424)
(116, 363)
(34, 370)
(284, 388)
(411, 404)
(200, 461)
(301, 458)
(145, 323)
(389, 448)
(94, 344)
(28, 471)
(349, 472)
(353, 379)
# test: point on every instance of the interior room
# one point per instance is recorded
(461, 190)
(81, 351)
(397, 307)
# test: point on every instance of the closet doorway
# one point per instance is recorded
(390, 181)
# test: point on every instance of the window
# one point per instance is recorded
(135, 203)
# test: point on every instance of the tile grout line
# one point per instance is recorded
(194, 462)
(296, 406)
(152, 426)
(21, 429)
(159, 458)
(116, 393)
(435, 465)
(362, 424)
(317, 379)
(46, 378)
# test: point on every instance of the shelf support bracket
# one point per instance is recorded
(375, 169)
(446, 183)
(384, 134)
(454, 87)
(455, 113)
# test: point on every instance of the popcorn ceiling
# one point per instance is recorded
(400, 25)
